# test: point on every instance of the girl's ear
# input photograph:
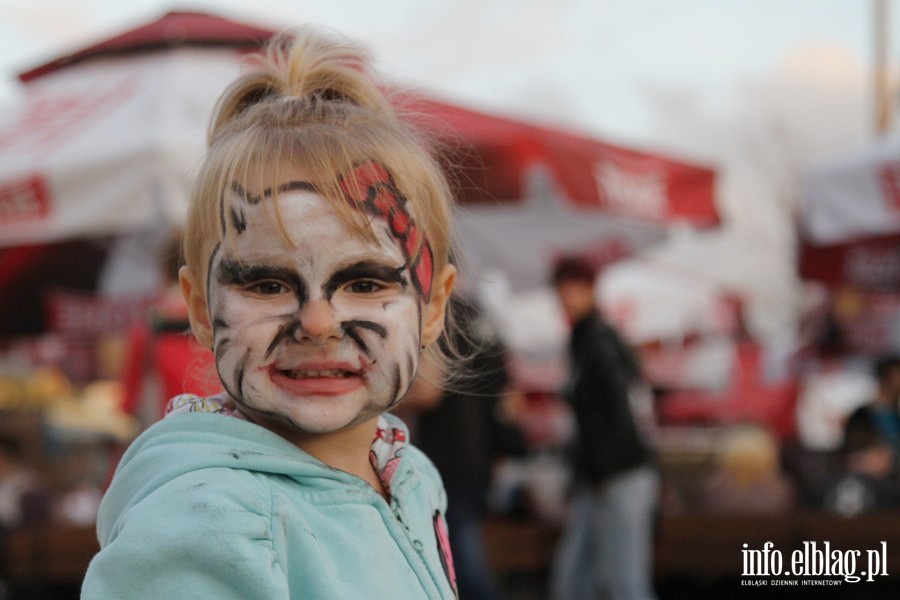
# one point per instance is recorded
(195, 297)
(436, 309)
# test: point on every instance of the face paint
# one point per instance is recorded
(372, 187)
(319, 336)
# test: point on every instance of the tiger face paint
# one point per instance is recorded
(318, 336)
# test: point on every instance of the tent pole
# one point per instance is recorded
(883, 99)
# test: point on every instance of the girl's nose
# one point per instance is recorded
(318, 321)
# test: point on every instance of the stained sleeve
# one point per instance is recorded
(206, 534)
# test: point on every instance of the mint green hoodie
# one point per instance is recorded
(208, 506)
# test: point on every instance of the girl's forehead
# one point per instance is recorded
(305, 213)
(314, 230)
(307, 209)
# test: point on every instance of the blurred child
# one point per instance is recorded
(316, 254)
(162, 358)
(748, 477)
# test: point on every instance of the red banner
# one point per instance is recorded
(870, 264)
(87, 315)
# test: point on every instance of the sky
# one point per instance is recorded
(611, 68)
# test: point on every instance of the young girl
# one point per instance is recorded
(317, 271)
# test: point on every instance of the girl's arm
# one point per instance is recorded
(204, 535)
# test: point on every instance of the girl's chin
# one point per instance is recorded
(312, 415)
(292, 423)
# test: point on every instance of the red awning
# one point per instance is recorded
(491, 154)
(870, 263)
(177, 28)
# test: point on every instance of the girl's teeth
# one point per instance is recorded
(314, 373)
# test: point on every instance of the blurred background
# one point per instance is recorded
(732, 168)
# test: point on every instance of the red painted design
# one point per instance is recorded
(371, 186)
(423, 268)
(365, 177)
(412, 242)
(382, 203)
(400, 224)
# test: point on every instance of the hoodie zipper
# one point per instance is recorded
(433, 578)
(401, 517)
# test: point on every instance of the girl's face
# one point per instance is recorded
(318, 336)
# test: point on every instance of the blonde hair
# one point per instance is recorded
(312, 101)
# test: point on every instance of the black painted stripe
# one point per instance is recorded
(380, 330)
(286, 331)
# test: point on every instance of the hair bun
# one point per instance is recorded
(308, 66)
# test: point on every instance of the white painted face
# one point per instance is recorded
(317, 337)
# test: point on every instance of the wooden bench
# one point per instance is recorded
(50, 555)
(704, 546)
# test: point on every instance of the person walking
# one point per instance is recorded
(605, 550)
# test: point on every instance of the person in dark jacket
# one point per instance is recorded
(870, 470)
(605, 550)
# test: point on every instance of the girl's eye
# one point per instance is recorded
(268, 288)
(364, 286)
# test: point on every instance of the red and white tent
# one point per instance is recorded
(107, 140)
(850, 219)
(850, 241)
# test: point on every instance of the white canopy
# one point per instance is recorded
(67, 170)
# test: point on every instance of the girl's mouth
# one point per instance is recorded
(317, 374)
(331, 381)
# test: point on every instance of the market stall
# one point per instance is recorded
(850, 242)
(849, 228)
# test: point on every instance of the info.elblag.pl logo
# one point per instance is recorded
(813, 564)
